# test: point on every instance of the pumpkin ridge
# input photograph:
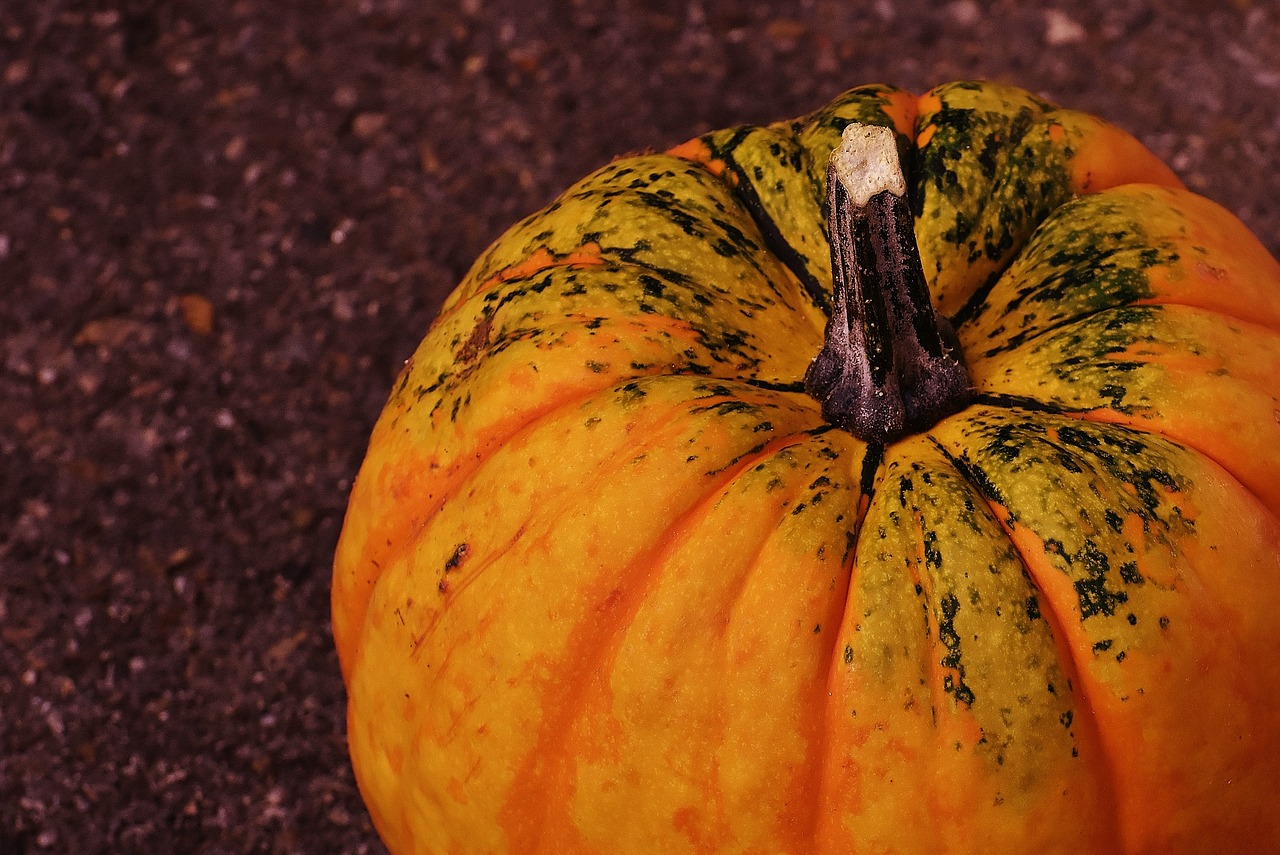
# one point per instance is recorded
(972, 306)
(536, 262)
(1014, 403)
(1224, 314)
(977, 137)
(1159, 303)
(476, 463)
(1066, 657)
(1131, 244)
(603, 472)
(530, 781)
(819, 733)
(935, 672)
(612, 293)
(731, 174)
(552, 405)
(650, 207)
(471, 464)
(932, 605)
(1123, 369)
(1165, 503)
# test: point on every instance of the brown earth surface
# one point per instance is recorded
(223, 228)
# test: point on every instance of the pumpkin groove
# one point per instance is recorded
(799, 262)
(609, 582)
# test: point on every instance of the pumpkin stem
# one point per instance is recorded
(890, 366)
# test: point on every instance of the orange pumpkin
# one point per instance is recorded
(614, 580)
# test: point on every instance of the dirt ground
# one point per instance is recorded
(223, 228)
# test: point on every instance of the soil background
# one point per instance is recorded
(225, 225)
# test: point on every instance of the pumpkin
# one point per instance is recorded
(615, 577)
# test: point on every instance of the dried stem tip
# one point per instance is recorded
(866, 162)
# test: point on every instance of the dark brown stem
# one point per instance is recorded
(890, 365)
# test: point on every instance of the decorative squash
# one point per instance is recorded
(613, 579)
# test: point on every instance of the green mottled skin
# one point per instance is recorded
(982, 183)
(1092, 253)
(968, 601)
(782, 168)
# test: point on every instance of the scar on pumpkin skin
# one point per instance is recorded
(904, 108)
(542, 258)
(697, 151)
(587, 255)
(476, 342)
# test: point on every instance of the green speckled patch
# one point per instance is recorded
(1099, 513)
(1093, 253)
(989, 169)
(604, 313)
(657, 211)
(932, 556)
(1110, 359)
(1208, 382)
(820, 131)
